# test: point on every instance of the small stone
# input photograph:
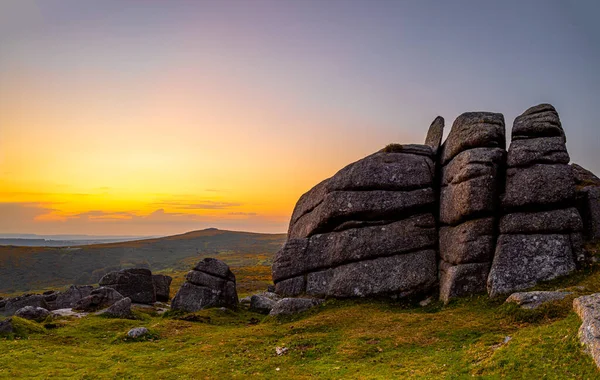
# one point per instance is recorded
(120, 309)
(290, 306)
(533, 300)
(33, 313)
(137, 332)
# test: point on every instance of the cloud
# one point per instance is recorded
(201, 205)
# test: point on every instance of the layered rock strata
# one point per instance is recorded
(540, 233)
(368, 230)
(472, 159)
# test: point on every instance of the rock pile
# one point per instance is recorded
(135, 283)
(368, 230)
(472, 159)
(210, 284)
(506, 220)
(540, 233)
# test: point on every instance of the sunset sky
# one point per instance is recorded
(160, 117)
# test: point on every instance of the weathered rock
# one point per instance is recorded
(435, 133)
(210, 284)
(291, 287)
(469, 242)
(474, 130)
(543, 150)
(341, 206)
(521, 261)
(590, 211)
(120, 309)
(69, 298)
(289, 306)
(416, 149)
(555, 221)
(584, 177)
(67, 313)
(533, 300)
(135, 283)
(379, 171)
(538, 121)
(588, 309)
(300, 256)
(6, 327)
(99, 298)
(14, 304)
(262, 304)
(462, 280)
(137, 332)
(162, 286)
(33, 313)
(539, 185)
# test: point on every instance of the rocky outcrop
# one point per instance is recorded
(588, 309)
(541, 230)
(99, 298)
(588, 201)
(471, 179)
(368, 230)
(210, 284)
(135, 283)
(533, 300)
(162, 287)
(33, 313)
(16, 303)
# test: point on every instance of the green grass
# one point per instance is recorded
(339, 339)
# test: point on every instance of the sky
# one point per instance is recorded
(160, 117)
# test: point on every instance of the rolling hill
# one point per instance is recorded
(32, 268)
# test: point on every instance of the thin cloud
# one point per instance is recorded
(201, 205)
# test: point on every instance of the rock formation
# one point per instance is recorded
(472, 159)
(210, 284)
(135, 283)
(70, 297)
(588, 201)
(540, 233)
(505, 220)
(98, 299)
(368, 230)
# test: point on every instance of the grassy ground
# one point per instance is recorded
(469, 338)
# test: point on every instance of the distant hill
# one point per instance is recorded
(32, 268)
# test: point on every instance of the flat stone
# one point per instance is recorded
(290, 306)
(555, 221)
(67, 313)
(462, 280)
(435, 133)
(469, 199)
(204, 279)
(522, 261)
(539, 185)
(538, 121)
(474, 130)
(543, 150)
(533, 300)
(342, 206)
(473, 163)
(300, 256)
(192, 297)
(469, 242)
(419, 150)
(216, 268)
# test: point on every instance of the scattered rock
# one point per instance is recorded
(281, 350)
(210, 284)
(588, 309)
(533, 300)
(6, 326)
(33, 313)
(261, 304)
(98, 299)
(69, 298)
(137, 332)
(120, 309)
(289, 306)
(67, 313)
(135, 283)
(162, 286)
(246, 301)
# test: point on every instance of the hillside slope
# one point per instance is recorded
(32, 268)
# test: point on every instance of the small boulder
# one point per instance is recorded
(14, 304)
(289, 306)
(435, 133)
(246, 301)
(533, 300)
(6, 326)
(588, 309)
(98, 299)
(137, 332)
(262, 304)
(135, 283)
(120, 309)
(33, 313)
(162, 285)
